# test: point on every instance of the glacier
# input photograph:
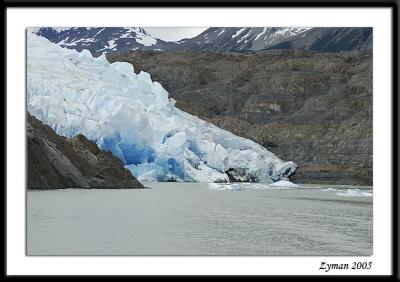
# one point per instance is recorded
(132, 116)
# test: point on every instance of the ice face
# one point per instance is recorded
(131, 116)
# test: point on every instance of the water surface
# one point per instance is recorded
(201, 219)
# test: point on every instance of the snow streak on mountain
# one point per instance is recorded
(131, 116)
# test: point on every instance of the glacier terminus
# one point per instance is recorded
(132, 116)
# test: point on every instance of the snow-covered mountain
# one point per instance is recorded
(112, 39)
(332, 39)
(237, 39)
(241, 39)
(99, 40)
(131, 116)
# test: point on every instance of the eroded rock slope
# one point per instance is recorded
(309, 107)
(58, 162)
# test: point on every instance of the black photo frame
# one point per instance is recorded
(393, 5)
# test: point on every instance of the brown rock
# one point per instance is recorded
(57, 162)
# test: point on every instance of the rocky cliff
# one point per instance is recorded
(57, 162)
(312, 108)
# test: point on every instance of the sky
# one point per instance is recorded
(174, 33)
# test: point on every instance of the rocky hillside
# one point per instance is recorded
(57, 162)
(312, 108)
(242, 39)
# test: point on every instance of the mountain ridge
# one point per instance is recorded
(99, 40)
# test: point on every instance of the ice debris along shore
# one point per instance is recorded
(131, 116)
(349, 192)
(287, 185)
(279, 185)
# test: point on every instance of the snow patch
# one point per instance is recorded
(290, 31)
(260, 34)
(145, 40)
(238, 32)
(111, 44)
(245, 36)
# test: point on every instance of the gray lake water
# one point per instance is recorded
(201, 219)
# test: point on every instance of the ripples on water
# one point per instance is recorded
(202, 219)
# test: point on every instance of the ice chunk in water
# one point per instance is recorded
(354, 193)
(283, 183)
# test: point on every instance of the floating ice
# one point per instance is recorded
(354, 193)
(283, 183)
(226, 186)
(328, 189)
(246, 185)
(131, 116)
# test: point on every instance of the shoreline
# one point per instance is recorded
(147, 185)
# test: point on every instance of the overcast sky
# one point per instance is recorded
(174, 33)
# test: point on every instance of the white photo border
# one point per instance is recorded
(18, 19)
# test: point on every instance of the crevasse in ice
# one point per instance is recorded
(131, 116)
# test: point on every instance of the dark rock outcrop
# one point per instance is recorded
(57, 162)
(311, 108)
(235, 175)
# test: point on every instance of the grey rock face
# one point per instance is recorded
(57, 162)
(312, 108)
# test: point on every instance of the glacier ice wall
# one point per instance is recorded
(131, 116)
